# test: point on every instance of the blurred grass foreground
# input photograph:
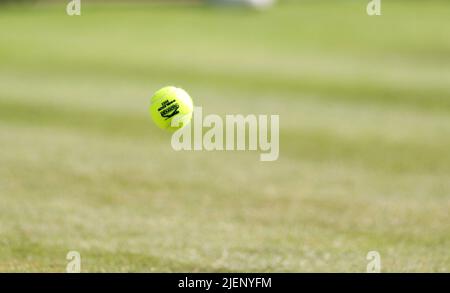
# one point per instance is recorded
(364, 106)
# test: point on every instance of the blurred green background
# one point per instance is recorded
(364, 106)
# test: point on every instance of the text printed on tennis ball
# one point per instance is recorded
(169, 103)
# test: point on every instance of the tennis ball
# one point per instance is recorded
(171, 104)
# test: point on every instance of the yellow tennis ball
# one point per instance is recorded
(171, 108)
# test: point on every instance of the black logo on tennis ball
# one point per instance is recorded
(169, 109)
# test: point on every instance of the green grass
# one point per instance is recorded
(364, 105)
